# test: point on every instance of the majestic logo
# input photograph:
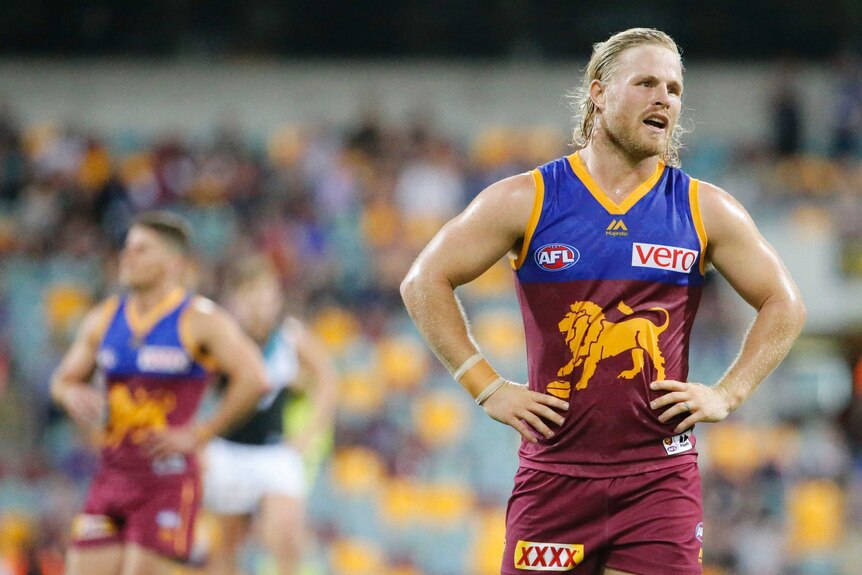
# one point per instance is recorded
(592, 338)
(663, 257)
(163, 359)
(87, 527)
(556, 257)
(547, 556)
(136, 416)
(698, 532)
(617, 228)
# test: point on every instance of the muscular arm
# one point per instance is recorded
(465, 248)
(755, 271)
(492, 225)
(324, 389)
(214, 332)
(236, 355)
(70, 382)
(752, 267)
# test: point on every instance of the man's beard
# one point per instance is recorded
(629, 142)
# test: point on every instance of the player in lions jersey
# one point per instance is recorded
(155, 347)
(254, 469)
(610, 247)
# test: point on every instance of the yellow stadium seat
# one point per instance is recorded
(361, 392)
(65, 306)
(381, 224)
(356, 557)
(95, 169)
(401, 501)
(403, 362)
(440, 419)
(500, 334)
(357, 470)
(447, 504)
(488, 547)
(735, 448)
(337, 327)
(815, 517)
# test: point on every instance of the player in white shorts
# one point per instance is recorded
(253, 470)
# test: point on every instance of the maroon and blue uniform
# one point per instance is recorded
(608, 295)
(153, 381)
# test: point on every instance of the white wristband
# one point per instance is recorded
(490, 390)
(468, 363)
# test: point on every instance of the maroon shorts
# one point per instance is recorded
(646, 524)
(155, 512)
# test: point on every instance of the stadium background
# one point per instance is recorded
(337, 137)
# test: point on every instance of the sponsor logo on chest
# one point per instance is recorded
(547, 556)
(670, 258)
(106, 358)
(162, 359)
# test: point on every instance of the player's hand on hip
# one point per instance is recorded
(172, 441)
(516, 405)
(701, 402)
(84, 404)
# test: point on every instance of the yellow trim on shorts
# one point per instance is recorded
(187, 503)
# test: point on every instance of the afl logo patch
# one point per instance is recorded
(556, 257)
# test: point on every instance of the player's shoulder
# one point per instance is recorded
(514, 188)
(203, 310)
(98, 319)
(722, 214)
(204, 319)
(716, 200)
(202, 305)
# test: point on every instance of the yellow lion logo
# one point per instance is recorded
(136, 416)
(591, 338)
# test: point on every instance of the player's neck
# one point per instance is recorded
(145, 299)
(616, 173)
(260, 333)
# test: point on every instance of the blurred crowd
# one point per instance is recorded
(417, 477)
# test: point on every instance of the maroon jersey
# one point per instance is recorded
(608, 294)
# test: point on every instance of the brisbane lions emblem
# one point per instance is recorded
(136, 415)
(591, 338)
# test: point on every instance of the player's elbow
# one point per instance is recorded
(800, 314)
(794, 314)
(410, 287)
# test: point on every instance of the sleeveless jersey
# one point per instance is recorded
(608, 295)
(266, 426)
(152, 380)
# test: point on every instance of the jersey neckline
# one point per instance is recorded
(580, 169)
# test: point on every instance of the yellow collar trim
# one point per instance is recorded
(605, 200)
(141, 324)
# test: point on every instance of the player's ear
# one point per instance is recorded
(597, 93)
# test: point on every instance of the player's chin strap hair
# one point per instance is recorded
(478, 377)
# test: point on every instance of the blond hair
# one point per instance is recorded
(602, 67)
